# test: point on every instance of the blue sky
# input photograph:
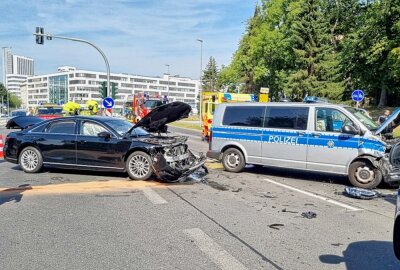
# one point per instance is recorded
(138, 36)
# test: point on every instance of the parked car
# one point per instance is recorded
(104, 143)
(319, 137)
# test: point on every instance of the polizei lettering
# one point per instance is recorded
(282, 139)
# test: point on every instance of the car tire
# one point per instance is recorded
(363, 175)
(138, 166)
(30, 160)
(233, 160)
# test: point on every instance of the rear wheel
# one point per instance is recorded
(233, 160)
(30, 160)
(138, 166)
(363, 175)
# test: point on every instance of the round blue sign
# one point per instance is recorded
(357, 95)
(108, 103)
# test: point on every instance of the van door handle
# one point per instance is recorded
(316, 135)
(301, 133)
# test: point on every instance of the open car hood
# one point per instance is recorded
(156, 120)
(391, 118)
(23, 122)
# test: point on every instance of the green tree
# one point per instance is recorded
(371, 53)
(210, 76)
(15, 101)
(316, 71)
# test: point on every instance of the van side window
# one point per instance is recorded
(247, 116)
(287, 118)
(330, 120)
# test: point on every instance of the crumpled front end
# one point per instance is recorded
(175, 162)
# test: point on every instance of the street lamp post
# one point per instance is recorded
(167, 65)
(50, 37)
(201, 75)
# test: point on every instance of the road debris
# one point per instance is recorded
(237, 190)
(309, 215)
(284, 210)
(360, 193)
(276, 226)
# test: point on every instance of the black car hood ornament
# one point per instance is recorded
(157, 119)
(23, 122)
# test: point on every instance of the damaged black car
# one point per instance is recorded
(106, 144)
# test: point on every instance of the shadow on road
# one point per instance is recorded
(13, 194)
(366, 255)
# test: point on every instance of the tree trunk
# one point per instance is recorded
(383, 98)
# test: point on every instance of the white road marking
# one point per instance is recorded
(349, 207)
(153, 196)
(215, 252)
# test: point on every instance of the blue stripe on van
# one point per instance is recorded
(261, 135)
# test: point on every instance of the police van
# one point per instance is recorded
(308, 136)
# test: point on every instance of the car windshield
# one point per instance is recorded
(122, 127)
(368, 122)
(151, 104)
(50, 111)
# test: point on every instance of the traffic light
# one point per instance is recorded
(39, 39)
(114, 90)
(103, 90)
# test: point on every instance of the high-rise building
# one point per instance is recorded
(16, 69)
(70, 84)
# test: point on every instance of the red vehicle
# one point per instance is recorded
(143, 105)
(49, 111)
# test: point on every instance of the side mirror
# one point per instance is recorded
(104, 134)
(348, 129)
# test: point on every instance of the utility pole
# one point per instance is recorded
(201, 75)
(39, 40)
(167, 65)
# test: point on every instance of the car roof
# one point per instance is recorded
(283, 104)
(98, 118)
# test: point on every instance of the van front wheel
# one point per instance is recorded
(233, 160)
(363, 175)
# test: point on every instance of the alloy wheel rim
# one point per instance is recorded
(29, 160)
(139, 166)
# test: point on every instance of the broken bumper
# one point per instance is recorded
(213, 154)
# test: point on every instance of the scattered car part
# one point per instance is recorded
(360, 193)
(276, 226)
(309, 215)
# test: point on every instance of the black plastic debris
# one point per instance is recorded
(275, 226)
(284, 210)
(309, 215)
(360, 193)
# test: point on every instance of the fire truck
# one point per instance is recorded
(141, 105)
(210, 100)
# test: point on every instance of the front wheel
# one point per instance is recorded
(138, 166)
(233, 160)
(363, 175)
(30, 160)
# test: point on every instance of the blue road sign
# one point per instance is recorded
(357, 95)
(108, 103)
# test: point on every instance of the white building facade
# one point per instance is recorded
(16, 69)
(70, 84)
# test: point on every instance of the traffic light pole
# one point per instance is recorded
(50, 37)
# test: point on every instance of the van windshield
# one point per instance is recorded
(363, 118)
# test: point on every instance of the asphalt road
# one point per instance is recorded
(63, 219)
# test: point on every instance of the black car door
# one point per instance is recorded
(58, 142)
(97, 151)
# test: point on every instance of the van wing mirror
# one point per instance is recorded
(349, 129)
